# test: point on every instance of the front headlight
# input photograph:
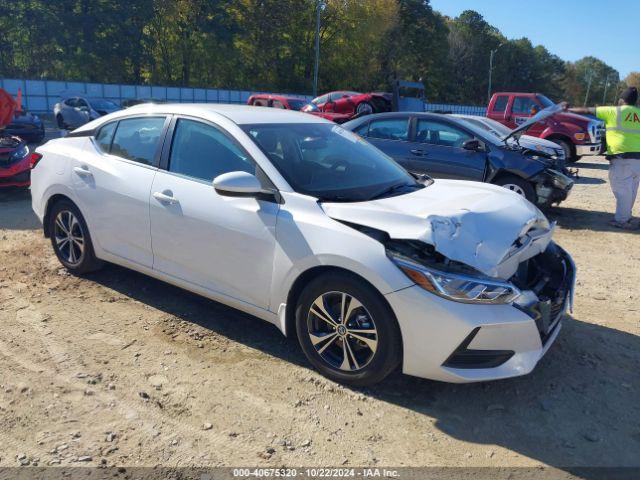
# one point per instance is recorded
(456, 287)
(20, 153)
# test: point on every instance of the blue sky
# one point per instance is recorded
(571, 29)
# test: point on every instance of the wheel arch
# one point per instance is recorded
(53, 199)
(563, 138)
(307, 276)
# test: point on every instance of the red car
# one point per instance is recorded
(353, 103)
(277, 101)
(295, 103)
(15, 159)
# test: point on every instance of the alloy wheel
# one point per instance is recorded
(69, 237)
(514, 188)
(342, 331)
(364, 108)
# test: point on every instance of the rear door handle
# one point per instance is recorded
(164, 198)
(418, 152)
(82, 171)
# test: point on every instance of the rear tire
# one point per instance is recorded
(360, 351)
(518, 185)
(364, 108)
(71, 240)
(60, 122)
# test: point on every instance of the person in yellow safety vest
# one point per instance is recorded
(623, 151)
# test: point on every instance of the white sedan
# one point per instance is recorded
(293, 219)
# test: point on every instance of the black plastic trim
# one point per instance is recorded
(464, 357)
(82, 133)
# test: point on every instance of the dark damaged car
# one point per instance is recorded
(442, 146)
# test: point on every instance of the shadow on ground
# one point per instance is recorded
(593, 166)
(579, 219)
(15, 210)
(588, 180)
(578, 408)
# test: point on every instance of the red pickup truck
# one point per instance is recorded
(576, 134)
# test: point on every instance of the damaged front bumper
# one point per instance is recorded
(460, 342)
(552, 187)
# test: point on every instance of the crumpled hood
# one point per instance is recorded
(484, 226)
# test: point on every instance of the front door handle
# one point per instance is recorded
(82, 171)
(418, 152)
(164, 198)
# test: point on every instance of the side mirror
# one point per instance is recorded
(474, 145)
(243, 184)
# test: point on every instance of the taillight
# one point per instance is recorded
(35, 158)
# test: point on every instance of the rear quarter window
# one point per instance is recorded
(500, 104)
(105, 136)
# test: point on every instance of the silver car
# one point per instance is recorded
(73, 112)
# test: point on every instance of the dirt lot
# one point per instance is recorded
(120, 369)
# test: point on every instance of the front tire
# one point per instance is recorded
(347, 331)
(569, 151)
(71, 240)
(60, 122)
(517, 185)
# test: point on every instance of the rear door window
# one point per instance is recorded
(138, 139)
(389, 129)
(362, 130)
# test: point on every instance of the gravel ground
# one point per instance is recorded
(118, 369)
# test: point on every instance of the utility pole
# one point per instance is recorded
(606, 86)
(493, 52)
(586, 95)
(319, 6)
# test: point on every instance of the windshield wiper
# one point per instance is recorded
(392, 189)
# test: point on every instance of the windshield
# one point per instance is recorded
(330, 163)
(544, 101)
(102, 104)
(297, 104)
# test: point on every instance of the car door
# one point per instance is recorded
(70, 113)
(221, 243)
(83, 111)
(437, 151)
(391, 135)
(113, 180)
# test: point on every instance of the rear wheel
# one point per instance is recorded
(70, 238)
(347, 331)
(364, 108)
(60, 122)
(517, 185)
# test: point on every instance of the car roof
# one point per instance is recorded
(376, 116)
(239, 114)
(277, 97)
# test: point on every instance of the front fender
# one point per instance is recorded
(308, 238)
